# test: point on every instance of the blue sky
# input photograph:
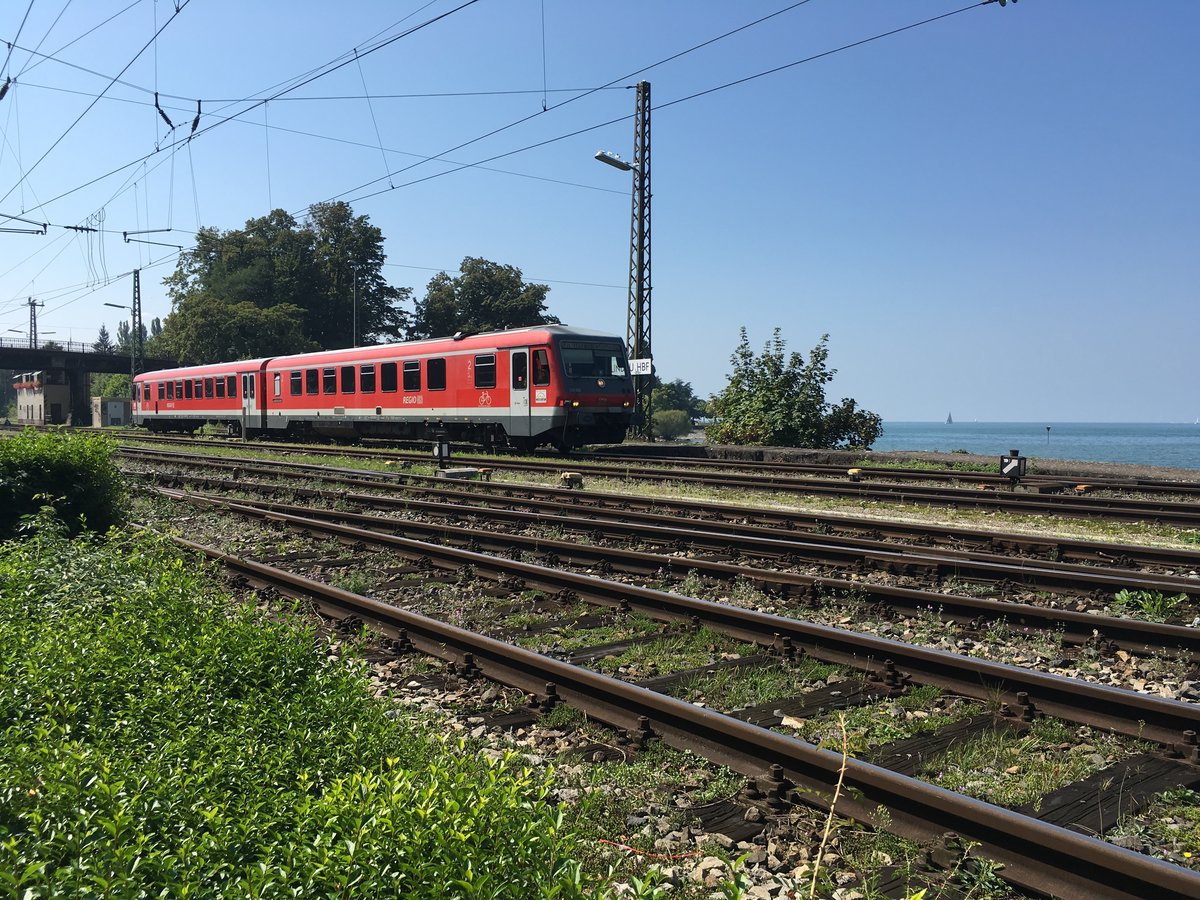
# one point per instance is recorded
(996, 213)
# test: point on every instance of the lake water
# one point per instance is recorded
(1124, 442)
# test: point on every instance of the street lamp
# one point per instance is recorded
(132, 346)
(23, 331)
(354, 305)
(613, 160)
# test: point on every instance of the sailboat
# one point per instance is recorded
(949, 419)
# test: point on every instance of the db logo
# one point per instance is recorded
(485, 399)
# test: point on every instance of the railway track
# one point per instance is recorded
(680, 551)
(867, 532)
(889, 667)
(1037, 855)
(1165, 512)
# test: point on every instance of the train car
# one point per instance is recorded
(523, 388)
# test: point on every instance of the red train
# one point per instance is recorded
(525, 387)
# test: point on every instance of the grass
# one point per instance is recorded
(872, 726)
(1010, 768)
(1171, 824)
(674, 653)
(730, 689)
(156, 739)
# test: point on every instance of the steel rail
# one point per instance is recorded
(740, 519)
(898, 473)
(1036, 856)
(825, 470)
(1129, 634)
(843, 553)
(1026, 691)
(1179, 513)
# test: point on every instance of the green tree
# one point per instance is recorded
(486, 296)
(777, 399)
(104, 342)
(348, 254)
(111, 385)
(273, 270)
(677, 394)
(215, 330)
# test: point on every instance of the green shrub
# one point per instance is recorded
(73, 472)
(156, 740)
(671, 423)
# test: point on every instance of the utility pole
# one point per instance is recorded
(637, 320)
(33, 308)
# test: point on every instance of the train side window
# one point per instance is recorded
(366, 379)
(179, 389)
(187, 389)
(208, 388)
(412, 375)
(311, 381)
(170, 390)
(199, 388)
(297, 383)
(387, 377)
(162, 390)
(329, 381)
(347, 379)
(485, 370)
(435, 374)
(220, 387)
(278, 382)
(541, 368)
(520, 371)
(231, 386)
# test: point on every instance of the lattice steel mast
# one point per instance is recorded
(637, 321)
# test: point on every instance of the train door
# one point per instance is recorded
(519, 423)
(248, 405)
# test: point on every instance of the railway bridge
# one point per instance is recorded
(75, 360)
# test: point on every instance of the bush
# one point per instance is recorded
(671, 423)
(778, 399)
(72, 472)
(156, 740)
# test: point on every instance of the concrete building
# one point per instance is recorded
(110, 411)
(43, 398)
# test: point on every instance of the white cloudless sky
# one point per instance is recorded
(996, 213)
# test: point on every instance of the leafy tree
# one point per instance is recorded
(216, 330)
(671, 423)
(273, 270)
(104, 342)
(486, 296)
(111, 385)
(778, 399)
(125, 337)
(348, 253)
(677, 394)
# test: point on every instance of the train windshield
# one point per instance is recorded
(594, 359)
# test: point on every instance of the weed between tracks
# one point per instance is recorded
(1010, 768)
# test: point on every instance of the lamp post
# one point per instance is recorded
(353, 305)
(132, 345)
(32, 338)
(637, 320)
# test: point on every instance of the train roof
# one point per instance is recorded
(484, 340)
(479, 341)
(223, 368)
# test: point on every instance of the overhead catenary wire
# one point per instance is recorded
(692, 96)
(79, 118)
